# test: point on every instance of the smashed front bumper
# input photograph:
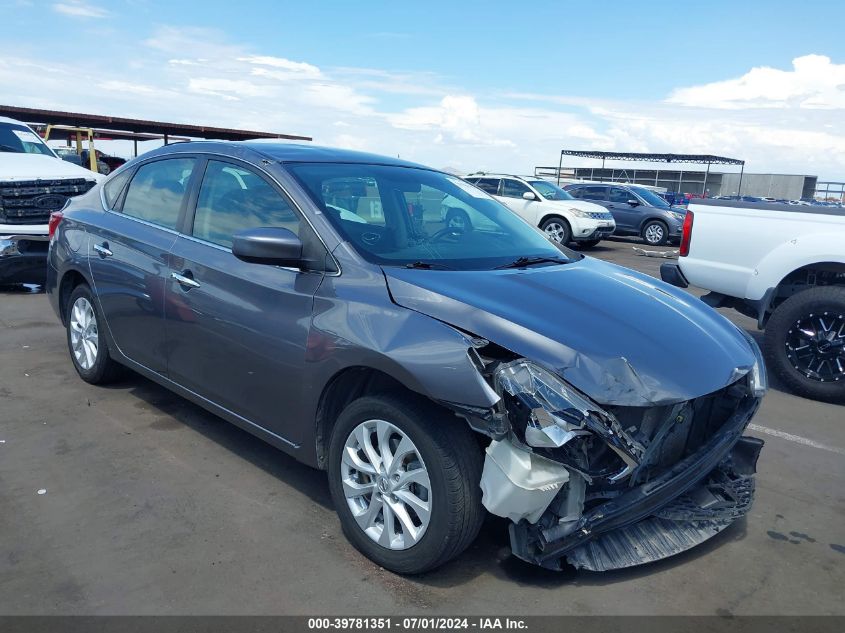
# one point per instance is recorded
(686, 505)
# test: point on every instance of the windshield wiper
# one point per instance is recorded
(522, 262)
(9, 148)
(427, 265)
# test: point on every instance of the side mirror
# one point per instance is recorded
(528, 195)
(634, 203)
(268, 245)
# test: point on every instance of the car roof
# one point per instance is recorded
(286, 152)
(5, 119)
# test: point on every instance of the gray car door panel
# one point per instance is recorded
(128, 259)
(238, 337)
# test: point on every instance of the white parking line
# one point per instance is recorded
(796, 438)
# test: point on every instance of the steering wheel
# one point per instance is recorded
(454, 231)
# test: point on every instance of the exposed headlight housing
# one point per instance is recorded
(758, 378)
(555, 413)
(678, 216)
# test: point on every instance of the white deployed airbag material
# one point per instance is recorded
(517, 484)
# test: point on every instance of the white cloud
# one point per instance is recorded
(199, 76)
(79, 9)
(297, 68)
(814, 82)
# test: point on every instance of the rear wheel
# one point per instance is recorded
(86, 340)
(557, 229)
(404, 479)
(805, 343)
(655, 233)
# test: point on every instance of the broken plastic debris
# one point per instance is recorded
(664, 254)
(42, 491)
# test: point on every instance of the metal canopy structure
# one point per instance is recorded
(699, 159)
(111, 126)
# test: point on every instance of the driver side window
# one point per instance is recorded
(513, 188)
(617, 194)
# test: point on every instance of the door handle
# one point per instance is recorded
(103, 249)
(185, 282)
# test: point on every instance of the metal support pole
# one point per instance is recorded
(559, 167)
(165, 139)
(739, 188)
(704, 187)
(135, 146)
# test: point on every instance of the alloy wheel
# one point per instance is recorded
(386, 484)
(555, 231)
(84, 335)
(815, 345)
(654, 234)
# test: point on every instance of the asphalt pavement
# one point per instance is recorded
(130, 500)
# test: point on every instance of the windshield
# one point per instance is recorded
(401, 216)
(550, 191)
(18, 138)
(651, 198)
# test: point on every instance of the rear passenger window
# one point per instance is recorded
(232, 199)
(112, 189)
(157, 191)
(490, 185)
(593, 193)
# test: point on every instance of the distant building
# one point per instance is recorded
(780, 186)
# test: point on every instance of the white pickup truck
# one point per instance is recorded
(34, 182)
(784, 266)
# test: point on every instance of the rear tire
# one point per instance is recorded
(809, 365)
(655, 233)
(557, 229)
(86, 339)
(445, 460)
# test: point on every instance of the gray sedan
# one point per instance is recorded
(323, 301)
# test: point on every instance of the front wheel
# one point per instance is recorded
(805, 343)
(655, 233)
(587, 244)
(404, 479)
(557, 229)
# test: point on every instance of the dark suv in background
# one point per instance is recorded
(637, 211)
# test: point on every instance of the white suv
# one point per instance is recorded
(563, 218)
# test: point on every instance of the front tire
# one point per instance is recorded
(404, 478)
(86, 340)
(805, 343)
(587, 244)
(655, 233)
(557, 229)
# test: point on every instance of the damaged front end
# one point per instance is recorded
(606, 487)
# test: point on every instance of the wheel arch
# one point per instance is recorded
(70, 279)
(346, 386)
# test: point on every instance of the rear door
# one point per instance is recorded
(237, 331)
(128, 255)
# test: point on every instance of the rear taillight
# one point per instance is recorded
(55, 218)
(686, 236)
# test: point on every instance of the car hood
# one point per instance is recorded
(19, 166)
(619, 336)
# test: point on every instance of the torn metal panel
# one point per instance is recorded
(577, 320)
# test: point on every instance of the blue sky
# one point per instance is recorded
(495, 85)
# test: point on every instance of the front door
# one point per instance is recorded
(627, 216)
(511, 197)
(237, 331)
(128, 255)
